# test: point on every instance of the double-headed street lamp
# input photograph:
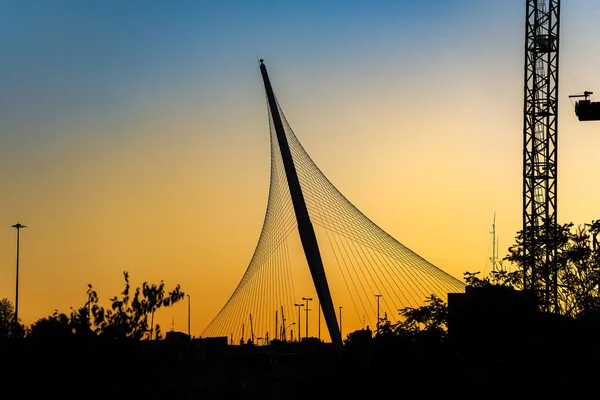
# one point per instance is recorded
(299, 305)
(306, 309)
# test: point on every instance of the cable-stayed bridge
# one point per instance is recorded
(320, 264)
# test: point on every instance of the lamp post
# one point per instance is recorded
(189, 314)
(152, 323)
(152, 315)
(306, 309)
(18, 227)
(341, 335)
(378, 297)
(319, 312)
(285, 328)
(299, 305)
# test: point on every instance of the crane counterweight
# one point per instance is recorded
(586, 110)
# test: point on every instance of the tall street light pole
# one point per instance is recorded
(306, 309)
(189, 314)
(378, 297)
(319, 311)
(299, 331)
(18, 227)
(341, 334)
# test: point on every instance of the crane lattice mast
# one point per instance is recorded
(540, 133)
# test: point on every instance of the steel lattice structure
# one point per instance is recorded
(540, 136)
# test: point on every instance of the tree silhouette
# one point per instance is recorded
(55, 326)
(431, 317)
(7, 321)
(128, 315)
(126, 318)
(577, 263)
(7, 317)
(496, 278)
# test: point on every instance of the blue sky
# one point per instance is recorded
(71, 57)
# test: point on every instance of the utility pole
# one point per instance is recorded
(18, 227)
(306, 309)
(378, 297)
(299, 331)
(341, 324)
(189, 314)
(319, 311)
(283, 334)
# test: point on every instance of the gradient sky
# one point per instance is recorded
(134, 134)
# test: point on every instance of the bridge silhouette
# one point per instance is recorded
(319, 258)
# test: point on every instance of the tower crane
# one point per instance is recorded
(540, 134)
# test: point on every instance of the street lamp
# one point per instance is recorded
(306, 309)
(378, 297)
(299, 305)
(18, 227)
(189, 313)
(319, 311)
(341, 335)
(285, 328)
(152, 316)
(152, 323)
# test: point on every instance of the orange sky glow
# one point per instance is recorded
(139, 140)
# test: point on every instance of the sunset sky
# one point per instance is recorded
(134, 134)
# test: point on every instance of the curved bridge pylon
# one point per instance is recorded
(318, 255)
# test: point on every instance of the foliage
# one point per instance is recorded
(63, 326)
(578, 276)
(55, 326)
(7, 321)
(577, 265)
(421, 326)
(128, 315)
(497, 278)
(126, 318)
(7, 317)
(432, 317)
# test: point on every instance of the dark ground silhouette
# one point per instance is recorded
(497, 346)
(560, 362)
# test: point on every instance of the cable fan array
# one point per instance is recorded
(372, 274)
